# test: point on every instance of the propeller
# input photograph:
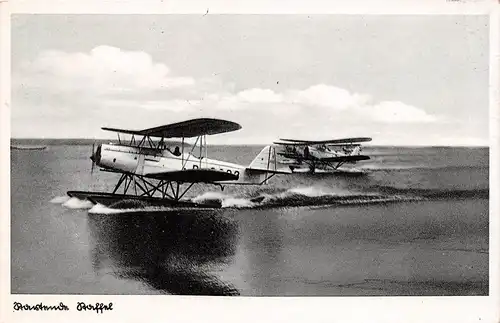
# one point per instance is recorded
(92, 157)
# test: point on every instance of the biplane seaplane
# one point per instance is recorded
(320, 156)
(158, 172)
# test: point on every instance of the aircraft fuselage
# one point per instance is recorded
(310, 152)
(146, 161)
(143, 161)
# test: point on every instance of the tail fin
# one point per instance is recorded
(266, 161)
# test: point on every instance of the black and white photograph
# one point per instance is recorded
(250, 154)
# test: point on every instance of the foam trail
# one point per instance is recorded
(226, 200)
(102, 209)
(314, 191)
(75, 203)
(60, 199)
(209, 196)
(237, 202)
(310, 191)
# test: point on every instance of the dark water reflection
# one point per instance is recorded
(170, 251)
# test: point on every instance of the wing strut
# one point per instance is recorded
(144, 187)
(182, 152)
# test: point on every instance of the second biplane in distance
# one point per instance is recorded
(321, 156)
(154, 172)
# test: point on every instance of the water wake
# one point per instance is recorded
(301, 196)
(322, 196)
(75, 203)
(281, 198)
(226, 200)
(416, 167)
(436, 193)
(102, 209)
(60, 199)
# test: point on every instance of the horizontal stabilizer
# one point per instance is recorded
(199, 175)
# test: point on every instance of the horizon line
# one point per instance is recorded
(260, 144)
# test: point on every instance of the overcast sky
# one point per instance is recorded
(404, 80)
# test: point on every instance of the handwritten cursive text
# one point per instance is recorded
(98, 307)
(39, 307)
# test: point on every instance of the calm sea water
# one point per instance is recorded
(410, 221)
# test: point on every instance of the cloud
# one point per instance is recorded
(327, 96)
(176, 106)
(130, 89)
(110, 74)
(394, 111)
(326, 101)
(259, 96)
(103, 70)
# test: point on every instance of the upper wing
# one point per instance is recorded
(199, 175)
(185, 129)
(130, 132)
(290, 143)
(332, 141)
(298, 144)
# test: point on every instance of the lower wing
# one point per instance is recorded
(194, 176)
(344, 158)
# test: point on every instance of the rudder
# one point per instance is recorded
(265, 160)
